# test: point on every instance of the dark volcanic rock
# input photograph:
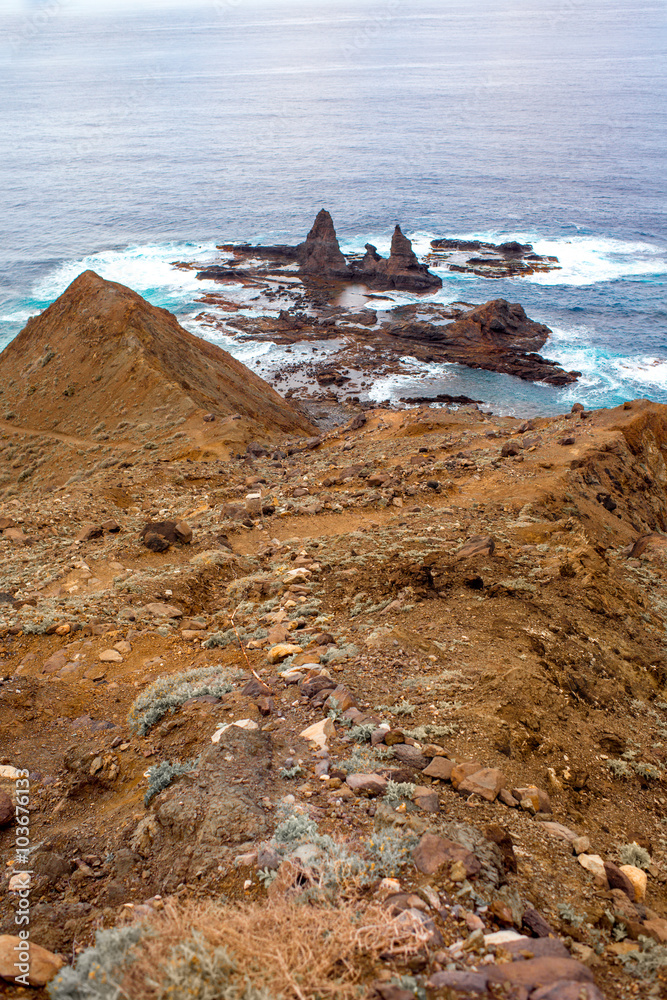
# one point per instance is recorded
(320, 256)
(496, 336)
(402, 269)
(498, 260)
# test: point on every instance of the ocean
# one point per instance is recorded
(134, 135)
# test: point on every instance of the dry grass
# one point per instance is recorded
(291, 950)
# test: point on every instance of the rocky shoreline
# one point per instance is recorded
(309, 283)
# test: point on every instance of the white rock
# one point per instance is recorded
(8, 773)
(319, 732)
(19, 881)
(504, 937)
(592, 863)
(240, 724)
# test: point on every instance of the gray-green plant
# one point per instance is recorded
(291, 772)
(647, 771)
(98, 971)
(363, 732)
(396, 791)
(266, 876)
(648, 962)
(403, 707)
(168, 693)
(619, 768)
(199, 971)
(431, 731)
(633, 854)
(570, 915)
(161, 775)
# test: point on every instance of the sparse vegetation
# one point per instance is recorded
(160, 776)
(168, 693)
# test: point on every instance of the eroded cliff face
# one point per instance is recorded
(485, 598)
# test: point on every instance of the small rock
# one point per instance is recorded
(500, 836)
(536, 924)
(269, 858)
(538, 798)
(485, 783)
(469, 983)
(16, 535)
(639, 879)
(319, 732)
(441, 768)
(341, 699)
(593, 863)
(159, 610)
(657, 929)
(478, 545)
(508, 799)
(280, 652)
(535, 973)
(369, 785)
(40, 968)
(155, 542)
(458, 872)
(617, 879)
(410, 756)
(426, 800)
(581, 845)
(537, 947)
(110, 656)
(560, 831)
(462, 771)
(432, 852)
(113, 527)
(89, 532)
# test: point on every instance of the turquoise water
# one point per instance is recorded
(133, 137)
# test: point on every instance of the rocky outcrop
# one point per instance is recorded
(496, 336)
(321, 261)
(492, 260)
(320, 256)
(401, 271)
(100, 351)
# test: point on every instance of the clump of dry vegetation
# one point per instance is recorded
(283, 949)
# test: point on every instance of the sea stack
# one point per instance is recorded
(401, 271)
(320, 256)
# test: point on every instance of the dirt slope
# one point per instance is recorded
(102, 354)
(494, 590)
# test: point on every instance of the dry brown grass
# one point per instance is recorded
(291, 950)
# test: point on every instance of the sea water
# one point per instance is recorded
(134, 135)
